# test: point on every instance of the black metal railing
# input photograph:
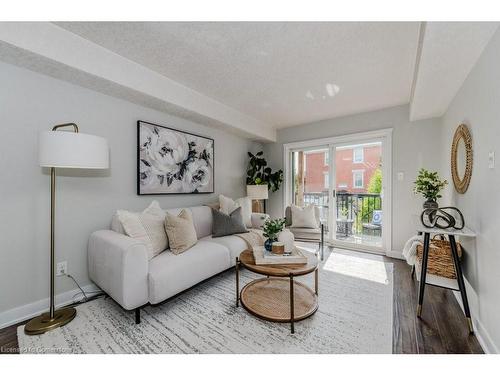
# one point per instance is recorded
(358, 207)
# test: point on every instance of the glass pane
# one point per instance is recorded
(358, 174)
(311, 179)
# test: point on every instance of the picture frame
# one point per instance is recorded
(173, 161)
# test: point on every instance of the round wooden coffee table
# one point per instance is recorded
(275, 298)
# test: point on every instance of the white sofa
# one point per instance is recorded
(119, 264)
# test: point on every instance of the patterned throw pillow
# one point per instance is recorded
(180, 231)
(146, 226)
(225, 225)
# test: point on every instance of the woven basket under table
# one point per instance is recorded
(440, 261)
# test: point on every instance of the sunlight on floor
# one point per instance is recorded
(359, 266)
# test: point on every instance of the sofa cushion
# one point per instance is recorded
(225, 225)
(202, 218)
(180, 231)
(170, 274)
(234, 244)
(228, 205)
(146, 226)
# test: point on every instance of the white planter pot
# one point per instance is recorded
(288, 239)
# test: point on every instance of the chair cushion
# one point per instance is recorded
(306, 233)
(234, 244)
(170, 274)
(303, 217)
(288, 215)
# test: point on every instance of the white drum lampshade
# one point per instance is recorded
(257, 192)
(61, 149)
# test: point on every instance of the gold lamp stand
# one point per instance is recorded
(54, 318)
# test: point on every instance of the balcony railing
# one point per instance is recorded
(358, 207)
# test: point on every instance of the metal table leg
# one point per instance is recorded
(460, 280)
(292, 305)
(316, 281)
(237, 266)
(423, 273)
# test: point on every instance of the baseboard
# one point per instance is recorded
(395, 254)
(480, 331)
(30, 310)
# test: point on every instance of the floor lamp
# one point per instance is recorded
(259, 193)
(64, 149)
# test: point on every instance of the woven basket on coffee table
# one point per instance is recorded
(440, 261)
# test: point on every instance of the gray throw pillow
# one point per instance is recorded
(224, 225)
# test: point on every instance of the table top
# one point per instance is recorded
(465, 232)
(279, 270)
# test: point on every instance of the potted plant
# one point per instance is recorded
(429, 185)
(271, 229)
(258, 173)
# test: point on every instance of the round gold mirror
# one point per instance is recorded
(461, 158)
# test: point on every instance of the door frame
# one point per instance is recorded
(382, 135)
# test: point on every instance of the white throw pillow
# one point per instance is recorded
(303, 217)
(228, 205)
(147, 226)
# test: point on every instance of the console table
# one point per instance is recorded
(451, 233)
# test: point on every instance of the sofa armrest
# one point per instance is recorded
(258, 219)
(119, 265)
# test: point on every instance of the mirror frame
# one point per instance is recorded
(462, 132)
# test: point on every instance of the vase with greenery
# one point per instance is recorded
(258, 173)
(430, 186)
(271, 229)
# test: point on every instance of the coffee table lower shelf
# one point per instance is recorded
(272, 299)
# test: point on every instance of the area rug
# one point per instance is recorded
(354, 316)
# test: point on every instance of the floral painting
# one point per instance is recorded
(172, 161)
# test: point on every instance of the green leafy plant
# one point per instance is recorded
(272, 227)
(429, 184)
(258, 173)
(375, 184)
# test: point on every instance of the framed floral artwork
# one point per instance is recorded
(171, 161)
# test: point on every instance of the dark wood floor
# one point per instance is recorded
(442, 328)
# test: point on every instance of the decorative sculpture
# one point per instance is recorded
(442, 218)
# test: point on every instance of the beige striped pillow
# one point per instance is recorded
(146, 226)
(180, 231)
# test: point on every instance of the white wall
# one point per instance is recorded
(477, 105)
(415, 145)
(30, 102)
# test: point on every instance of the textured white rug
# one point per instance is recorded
(354, 316)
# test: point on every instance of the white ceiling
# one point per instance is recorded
(448, 52)
(252, 78)
(275, 72)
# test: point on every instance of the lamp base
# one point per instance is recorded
(43, 323)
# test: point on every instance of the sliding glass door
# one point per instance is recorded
(346, 181)
(358, 213)
(311, 179)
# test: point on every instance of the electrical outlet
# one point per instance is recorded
(62, 268)
(401, 176)
(491, 160)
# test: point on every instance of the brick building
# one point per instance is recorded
(355, 167)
